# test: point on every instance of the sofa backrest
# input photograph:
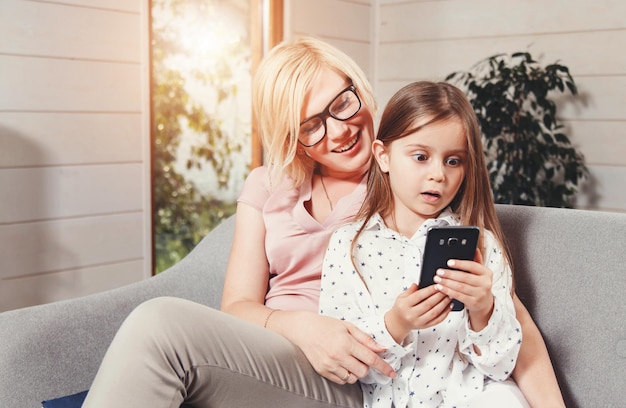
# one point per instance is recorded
(570, 272)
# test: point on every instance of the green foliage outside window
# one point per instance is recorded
(183, 214)
(530, 159)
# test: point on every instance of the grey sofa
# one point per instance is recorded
(570, 272)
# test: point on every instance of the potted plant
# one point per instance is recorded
(529, 157)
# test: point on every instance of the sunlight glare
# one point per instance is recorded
(205, 35)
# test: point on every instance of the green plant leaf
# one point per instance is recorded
(530, 159)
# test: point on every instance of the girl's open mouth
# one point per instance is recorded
(431, 195)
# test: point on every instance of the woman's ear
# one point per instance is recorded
(381, 155)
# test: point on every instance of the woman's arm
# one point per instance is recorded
(332, 347)
(533, 372)
(247, 273)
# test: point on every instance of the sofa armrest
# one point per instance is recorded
(52, 350)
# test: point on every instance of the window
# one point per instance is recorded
(203, 53)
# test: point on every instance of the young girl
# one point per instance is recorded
(429, 170)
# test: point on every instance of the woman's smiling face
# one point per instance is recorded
(346, 148)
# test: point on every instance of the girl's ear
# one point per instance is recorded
(381, 155)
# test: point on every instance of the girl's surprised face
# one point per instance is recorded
(426, 169)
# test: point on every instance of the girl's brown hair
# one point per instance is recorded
(434, 102)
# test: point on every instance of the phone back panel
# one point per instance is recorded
(443, 243)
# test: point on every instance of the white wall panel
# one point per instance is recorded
(133, 6)
(436, 59)
(385, 89)
(52, 246)
(43, 193)
(602, 141)
(30, 84)
(346, 24)
(601, 98)
(332, 18)
(55, 286)
(45, 139)
(608, 191)
(358, 51)
(84, 33)
(415, 20)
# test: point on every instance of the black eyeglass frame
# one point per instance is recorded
(327, 113)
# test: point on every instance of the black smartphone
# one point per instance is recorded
(443, 243)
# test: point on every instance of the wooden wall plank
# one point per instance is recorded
(44, 193)
(347, 21)
(36, 84)
(32, 28)
(603, 142)
(49, 139)
(348, 25)
(358, 51)
(415, 20)
(603, 193)
(601, 98)
(436, 59)
(385, 89)
(57, 286)
(131, 6)
(34, 248)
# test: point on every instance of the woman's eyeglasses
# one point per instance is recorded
(343, 107)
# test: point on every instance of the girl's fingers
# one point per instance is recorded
(433, 310)
(459, 285)
(436, 314)
(439, 312)
(449, 290)
(473, 267)
(418, 295)
(456, 279)
(474, 291)
(465, 272)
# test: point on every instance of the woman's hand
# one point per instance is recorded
(416, 309)
(471, 284)
(337, 350)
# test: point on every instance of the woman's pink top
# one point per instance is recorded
(295, 242)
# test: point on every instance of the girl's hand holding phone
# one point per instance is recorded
(416, 309)
(470, 282)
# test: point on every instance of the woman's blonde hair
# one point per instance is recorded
(435, 102)
(280, 85)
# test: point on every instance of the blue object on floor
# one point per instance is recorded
(69, 401)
